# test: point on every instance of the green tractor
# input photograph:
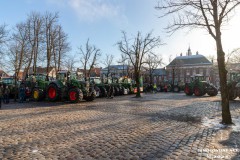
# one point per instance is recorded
(234, 86)
(199, 87)
(119, 88)
(100, 87)
(67, 87)
(37, 85)
(178, 86)
(127, 84)
(10, 82)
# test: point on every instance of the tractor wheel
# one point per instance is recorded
(122, 90)
(213, 92)
(53, 92)
(232, 94)
(116, 91)
(188, 91)
(37, 94)
(75, 95)
(197, 91)
(176, 89)
(92, 97)
(103, 92)
(98, 91)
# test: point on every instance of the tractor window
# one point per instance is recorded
(97, 81)
(199, 78)
(73, 76)
(61, 76)
(40, 77)
(7, 80)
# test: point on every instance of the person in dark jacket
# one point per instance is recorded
(110, 91)
(21, 93)
(6, 94)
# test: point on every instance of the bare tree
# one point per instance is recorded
(50, 21)
(137, 51)
(153, 62)
(35, 39)
(88, 57)
(108, 62)
(234, 56)
(69, 63)
(20, 47)
(3, 41)
(62, 47)
(210, 15)
(18, 50)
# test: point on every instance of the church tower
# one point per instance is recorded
(189, 52)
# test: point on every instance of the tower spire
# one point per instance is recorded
(189, 52)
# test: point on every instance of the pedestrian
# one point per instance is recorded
(1, 94)
(6, 95)
(110, 91)
(155, 88)
(21, 94)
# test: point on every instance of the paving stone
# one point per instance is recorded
(152, 127)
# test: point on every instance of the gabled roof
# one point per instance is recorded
(3, 74)
(117, 67)
(159, 71)
(192, 60)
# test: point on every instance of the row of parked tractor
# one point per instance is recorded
(68, 86)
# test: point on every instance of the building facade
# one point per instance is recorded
(183, 67)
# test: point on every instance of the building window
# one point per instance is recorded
(194, 71)
(207, 72)
(201, 71)
(187, 72)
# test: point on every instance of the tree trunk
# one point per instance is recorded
(137, 78)
(226, 115)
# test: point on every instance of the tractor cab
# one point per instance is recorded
(197, 78)
(10, 82)
(95, 80)
(234, 85)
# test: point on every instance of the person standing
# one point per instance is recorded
(21, 93)
(6, 94)
(1, 94)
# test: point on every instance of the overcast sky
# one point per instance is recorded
(103, 20)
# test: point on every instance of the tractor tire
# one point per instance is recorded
(116, 91)
(188, 91)
(98, 91)
(103, 92)
(213, 92)
(37, 94)
(91, 98)
(232, 95)
(53, 93)
(75, 95)
(197, 92)
(122, 90)
(176, 89)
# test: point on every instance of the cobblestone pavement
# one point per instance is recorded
(157, 126)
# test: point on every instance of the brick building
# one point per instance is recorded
(183, 67)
